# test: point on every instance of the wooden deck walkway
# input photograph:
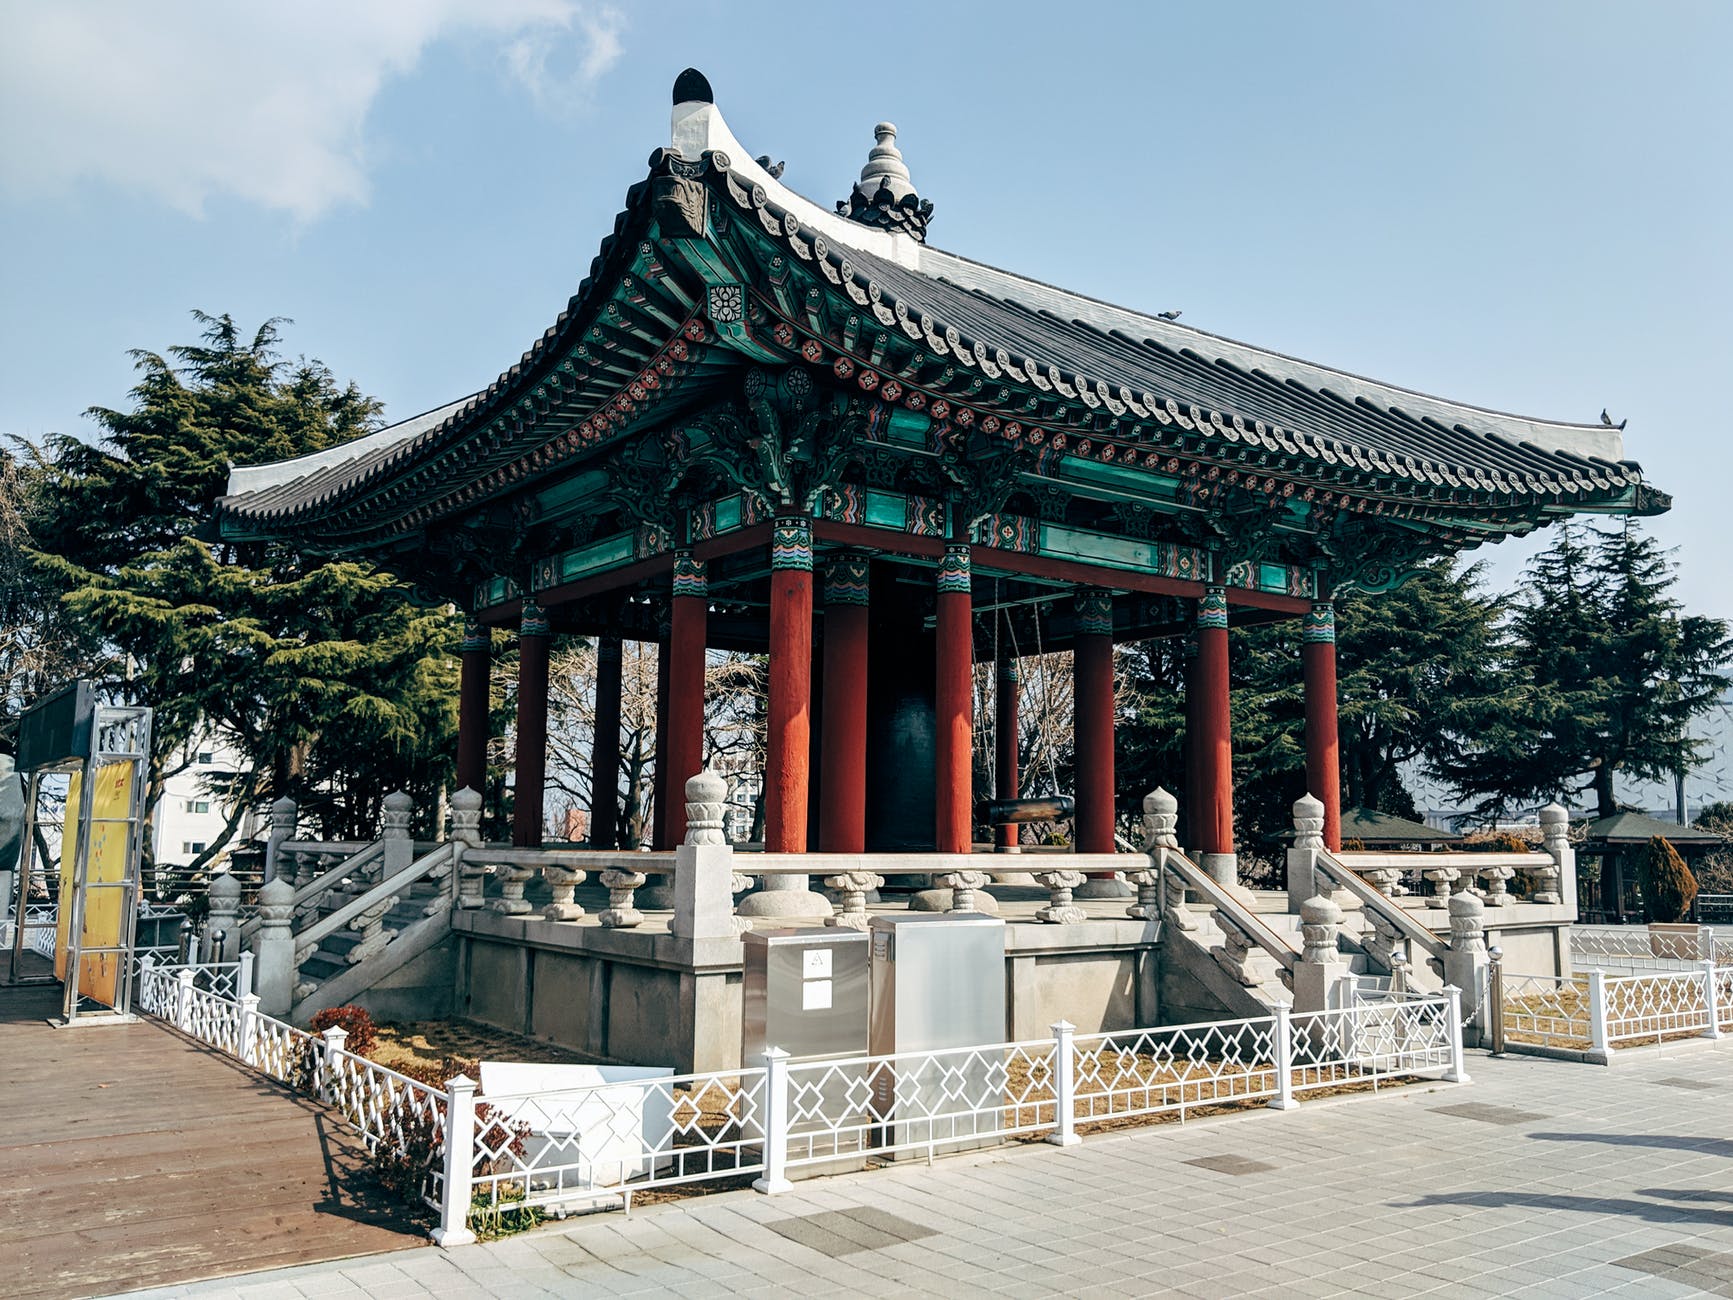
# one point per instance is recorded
(132, 1157)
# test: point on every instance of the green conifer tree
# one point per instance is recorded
(331, 684)
(1610, 673)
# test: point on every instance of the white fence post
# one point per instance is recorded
(249, 1018)
(334, 1038)
(1458, 1072)
(1283, 1033)
(244, 976)
(184, 1002)
(775, 1176)
(1598, 1046)
(1064, 1132)
(453, 1229)
(1713, 1029)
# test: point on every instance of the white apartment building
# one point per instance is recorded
(189, 818)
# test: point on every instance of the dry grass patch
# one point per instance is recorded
(464, 1044)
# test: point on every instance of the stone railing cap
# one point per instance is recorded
(1159, 800)
(1466, 904)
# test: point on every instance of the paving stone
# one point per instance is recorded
(1490, 1114)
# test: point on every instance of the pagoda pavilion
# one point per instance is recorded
(762, 424)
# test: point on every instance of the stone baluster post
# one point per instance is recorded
(621, 912)
(1059, 909)
(704, 879)
(1466, 963)
(274, 949)
(853, 888)
(1386, 880)
(225, 919)
(399, 849)
(564, 882)
(1441, 879)
(1303, 857)
(370, 925)
(511, 900)
(1160, 820)
(1496, 888)
(466, 838)
(1319, 973)
(1558, 886)
(1383, 942)
(283, 815)
(963, 885)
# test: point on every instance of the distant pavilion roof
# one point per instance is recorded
(715, 266)
(1640, 828)
(1370, 826)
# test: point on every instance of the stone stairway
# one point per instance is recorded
(337, 953)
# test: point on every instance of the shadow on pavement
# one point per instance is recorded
(1648, 1211)
(1707, 1146)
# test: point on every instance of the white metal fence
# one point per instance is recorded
(1620, 948)
(579, 1146)
(1597, 1012)
(606, 1141)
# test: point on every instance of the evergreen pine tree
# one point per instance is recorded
(332, 686)
(1609, 675)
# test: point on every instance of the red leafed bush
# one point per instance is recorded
(353, 1021)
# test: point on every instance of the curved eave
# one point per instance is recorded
(1155, 387)
(477, 439)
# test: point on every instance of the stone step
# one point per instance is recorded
(321, 966)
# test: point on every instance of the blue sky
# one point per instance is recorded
(1520, 205)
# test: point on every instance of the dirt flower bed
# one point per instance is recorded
(464, 1043)
(1559, 1017)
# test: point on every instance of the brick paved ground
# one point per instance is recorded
(1540, 1179)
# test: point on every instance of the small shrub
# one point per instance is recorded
(491, 1219)
(407, 1153)
(1669, 889)
(352, 1020)
(304, 1067)
(1496, 842)
(1352, 845)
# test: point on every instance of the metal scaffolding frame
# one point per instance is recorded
(118, 734)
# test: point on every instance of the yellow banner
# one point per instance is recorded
(104, 909)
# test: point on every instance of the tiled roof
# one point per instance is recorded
(1235, 396)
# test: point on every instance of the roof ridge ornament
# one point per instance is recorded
(885, 196)
(693, 87)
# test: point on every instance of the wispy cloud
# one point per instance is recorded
(560, 67)
(196, 99)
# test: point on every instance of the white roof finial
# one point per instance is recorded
(885, 196)
(885, 165)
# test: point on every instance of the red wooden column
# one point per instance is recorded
(1323, 751)
(1005, 700)
(605, 755)
(659, 781)
(476, 666)
(788, 724)
(843, 730)
(686, 632)
(532, 725)
(1092, 668)
(954, 700)
(1215, 755)
(1190, 807)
